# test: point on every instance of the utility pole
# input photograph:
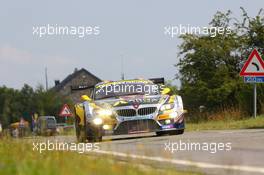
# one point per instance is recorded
(122, 68)
(46, 78)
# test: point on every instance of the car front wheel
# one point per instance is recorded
(177, 132)
(94, 134)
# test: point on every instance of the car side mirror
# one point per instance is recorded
(165, 91)
(86, 98)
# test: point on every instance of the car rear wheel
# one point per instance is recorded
(82, 135)
(80, 131)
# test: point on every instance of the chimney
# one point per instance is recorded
(57, 82)
(75, 70)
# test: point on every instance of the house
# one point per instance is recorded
(76, 84)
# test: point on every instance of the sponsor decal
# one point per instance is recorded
(135, 105)
(167, 126)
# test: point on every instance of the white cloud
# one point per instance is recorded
(18, 66)
(13, 55)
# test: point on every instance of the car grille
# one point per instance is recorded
(126, 112)
(137, 126)
(134, 112)
(146, 111)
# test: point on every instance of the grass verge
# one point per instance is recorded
(17, 157)
(252, 123)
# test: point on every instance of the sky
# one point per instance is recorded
(129, 30)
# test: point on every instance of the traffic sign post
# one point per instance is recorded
(255, 100)
(253, 72)
(65, 112)
(254, 79)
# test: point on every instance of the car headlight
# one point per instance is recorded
(173, 114)
(97, 121)
(104, 112)
(167, 107)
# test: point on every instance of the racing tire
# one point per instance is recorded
(94, 134)
(80, 131)
(177, 132)
(160, 133)
(77, 127)
(82, 135)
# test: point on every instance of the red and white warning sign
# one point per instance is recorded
(65, 111)
(254, 66)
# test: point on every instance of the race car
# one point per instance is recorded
(129, 107)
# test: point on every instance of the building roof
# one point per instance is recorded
(74, 75)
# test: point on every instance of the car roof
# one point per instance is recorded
(46, 117)
(104, 83)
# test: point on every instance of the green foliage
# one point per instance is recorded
(15, 104)
(209, 66)
(250, 123)
(173, 88)
(21, 158)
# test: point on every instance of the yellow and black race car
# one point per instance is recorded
(128, 107)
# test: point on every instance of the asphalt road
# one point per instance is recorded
(240, 151)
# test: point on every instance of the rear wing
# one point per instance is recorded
(157, 80)
(81, 87)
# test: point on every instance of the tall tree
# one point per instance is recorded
(209, 66)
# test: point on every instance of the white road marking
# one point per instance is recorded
(185, 162)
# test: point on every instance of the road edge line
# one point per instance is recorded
(185, 162)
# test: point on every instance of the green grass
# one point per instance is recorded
(251, 123)
(18, 158)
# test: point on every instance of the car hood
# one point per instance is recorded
(132, 100)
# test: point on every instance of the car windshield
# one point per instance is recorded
(124, 88)
(51, 122)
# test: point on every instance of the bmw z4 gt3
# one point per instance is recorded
(128, 107)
